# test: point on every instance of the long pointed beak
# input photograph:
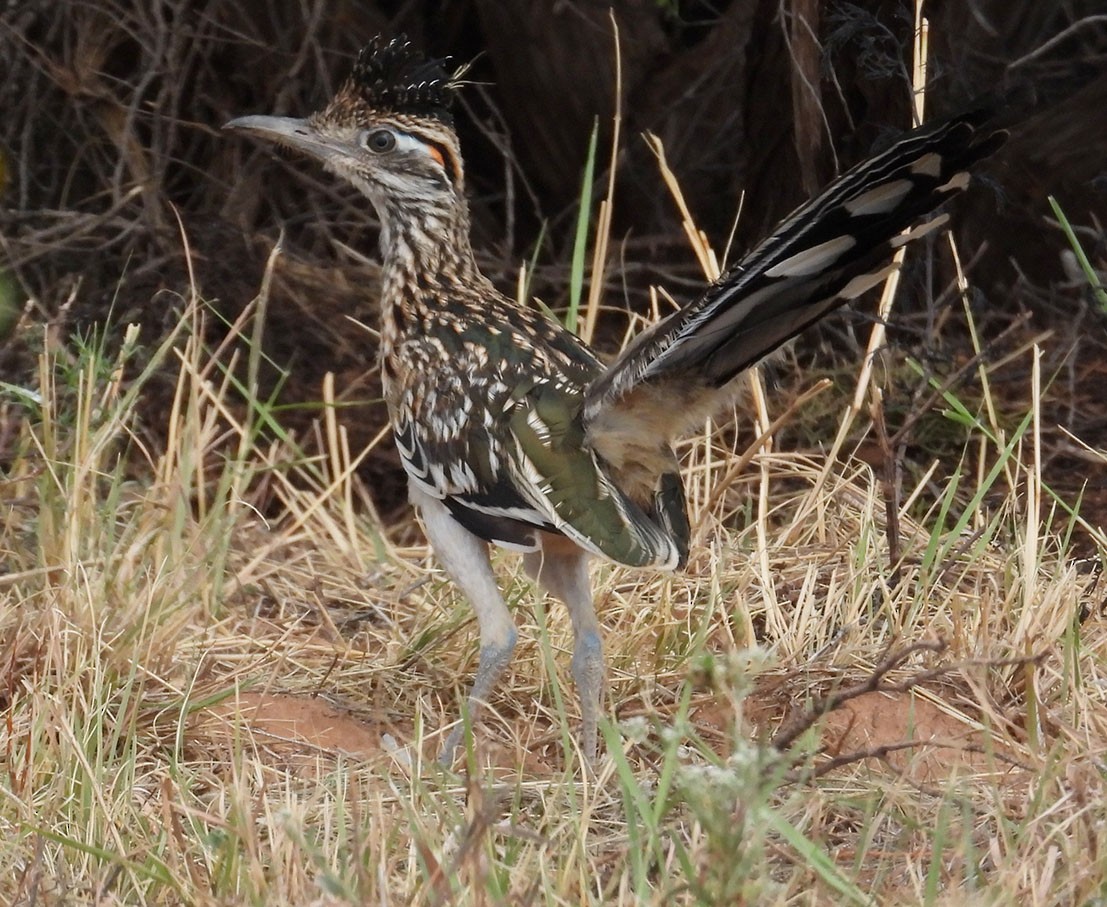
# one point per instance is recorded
(287, 131)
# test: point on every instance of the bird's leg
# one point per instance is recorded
(465, 558)
(565, 576)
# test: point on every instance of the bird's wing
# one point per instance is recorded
(520, 466)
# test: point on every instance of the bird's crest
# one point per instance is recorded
(393, 76)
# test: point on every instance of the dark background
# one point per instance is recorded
(117, 180)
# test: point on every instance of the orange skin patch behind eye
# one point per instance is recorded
(446, 160)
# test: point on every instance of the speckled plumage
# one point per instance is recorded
(509, 428)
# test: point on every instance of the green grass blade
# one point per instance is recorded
(1081, 256)
(580, 239)
(816, 858)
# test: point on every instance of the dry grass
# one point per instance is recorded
(223, 684)
(223, 681)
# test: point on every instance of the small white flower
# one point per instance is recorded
(635, 729)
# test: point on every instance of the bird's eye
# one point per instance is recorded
(379, 140)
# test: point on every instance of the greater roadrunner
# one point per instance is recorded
(511, 430)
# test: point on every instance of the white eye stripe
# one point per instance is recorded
(405, 142)
(385, 140)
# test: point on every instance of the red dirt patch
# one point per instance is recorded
(297, 731)
(905, 731)
(293, 728)
(938, 745)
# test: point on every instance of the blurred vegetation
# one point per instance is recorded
(121, 198)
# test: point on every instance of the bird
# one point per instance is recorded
(511, 430)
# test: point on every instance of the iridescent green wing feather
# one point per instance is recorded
(557, 471)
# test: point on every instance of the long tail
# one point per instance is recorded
(827, 252)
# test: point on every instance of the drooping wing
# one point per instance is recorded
(556, 470)
(528, 469)
(489, 423)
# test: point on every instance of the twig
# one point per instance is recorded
(882, 752)
(797, 724)
(793, 727)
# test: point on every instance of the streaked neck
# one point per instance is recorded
(424, 245)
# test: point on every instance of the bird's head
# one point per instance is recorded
(388, 130)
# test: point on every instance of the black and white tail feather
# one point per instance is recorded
(827, 252)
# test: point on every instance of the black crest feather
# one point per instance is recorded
(396, 77)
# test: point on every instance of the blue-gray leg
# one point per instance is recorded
(565, 576)
(465, 558)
